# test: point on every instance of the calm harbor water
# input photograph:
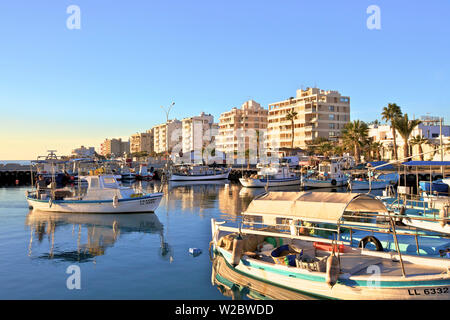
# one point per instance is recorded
(139, 256)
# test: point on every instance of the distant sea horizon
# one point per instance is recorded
(21, 162)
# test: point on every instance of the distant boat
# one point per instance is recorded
(192, 172)
(273, 175)
(330, 175)
(103, 194)
(144, 174)
(366, 184)
(127, 174)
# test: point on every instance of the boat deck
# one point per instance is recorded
(356, 265)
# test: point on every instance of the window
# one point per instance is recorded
(330, 108)
(331, 134)
(343, 99)
(331, 125)
(331, 117)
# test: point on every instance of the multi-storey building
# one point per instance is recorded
(197, 132)
(115, 147)
(241, 130)
(142, 142)
(167, 133)
(431, 129)
(84, 152)
(320, 113)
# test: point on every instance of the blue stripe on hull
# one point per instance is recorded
(96, 201)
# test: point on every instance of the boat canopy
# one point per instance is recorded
(313, 206)
(426, 163)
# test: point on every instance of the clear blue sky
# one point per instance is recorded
(61, 88)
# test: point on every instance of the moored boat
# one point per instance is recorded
(144, 174)
(273, 245)
(368, 184)
(197, 173)
(274, 175)
(101, 194)
(329, 175)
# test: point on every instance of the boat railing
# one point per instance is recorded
(327, 233)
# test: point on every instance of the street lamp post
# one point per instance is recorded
(167, 111)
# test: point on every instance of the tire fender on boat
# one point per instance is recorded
(375, 241)
(332, 272)
(333, 182)
(115, 201)
(238, 246)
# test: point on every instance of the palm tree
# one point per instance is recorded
(258, 141)
(291, 115)
(405, 127)
(325, 148)
(373, 149)
(355, 133)
(390, 113)
(419, 141)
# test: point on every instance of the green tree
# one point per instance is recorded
(355, 133)
(390, 113)
(419, 141)
(405, 127)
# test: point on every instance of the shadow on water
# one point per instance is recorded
(239, 287)
(102, 230)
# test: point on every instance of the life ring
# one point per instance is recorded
(375, 241)
(333, 182)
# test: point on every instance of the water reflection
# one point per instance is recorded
(99, 232)
(239, 287)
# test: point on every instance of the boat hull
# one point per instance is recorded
(261, 183)
(314, 183)
(436, 186)
(147, 177)
(427, 225)
(178, 177)
(147, 203)
(348, 288)
(364, 185)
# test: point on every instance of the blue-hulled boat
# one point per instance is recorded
(436, 186)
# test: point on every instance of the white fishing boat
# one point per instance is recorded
(144, 174)
(422, 213)
(101, 194)
(323, 267)
(329, 175)
(192, 172)
(273, 175)
(127, 174)
(363, 184)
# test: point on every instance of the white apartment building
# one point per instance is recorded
(167, 133)
(430, 129)
(84, 152)
(198, 132)
(320, 113)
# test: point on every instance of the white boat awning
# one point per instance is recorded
(318, 206)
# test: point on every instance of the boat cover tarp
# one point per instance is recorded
(375, 164)
(426, 163)
(320, 206)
